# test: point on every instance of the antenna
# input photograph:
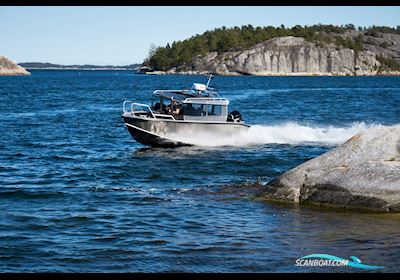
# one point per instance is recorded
(209, 79)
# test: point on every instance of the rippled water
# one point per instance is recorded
(78, 194)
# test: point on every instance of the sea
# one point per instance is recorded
(79, 194)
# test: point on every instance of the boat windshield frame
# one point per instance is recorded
(209, 92)
(173, 95)
(207, 101)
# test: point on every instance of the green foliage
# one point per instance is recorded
(375, 30)
(356, 44)
(40, 65)
(388, 63)
(181, 54)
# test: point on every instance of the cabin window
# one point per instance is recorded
(210, 112)
(214, 110)
(195, 109)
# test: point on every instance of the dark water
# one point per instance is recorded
(78, 194)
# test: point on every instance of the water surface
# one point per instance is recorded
(78, 194)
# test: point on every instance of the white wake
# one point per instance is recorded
(287, 133)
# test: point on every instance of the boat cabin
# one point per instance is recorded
(200, 103)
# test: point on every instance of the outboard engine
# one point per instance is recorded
(235, 116)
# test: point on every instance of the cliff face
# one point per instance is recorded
(289, 56)
(11, 68)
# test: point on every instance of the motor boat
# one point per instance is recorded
(181, 115)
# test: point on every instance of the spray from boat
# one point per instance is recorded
(286, 133)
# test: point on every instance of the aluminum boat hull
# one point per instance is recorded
(163, 133)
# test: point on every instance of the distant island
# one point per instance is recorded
(51, 66)
(301, 50)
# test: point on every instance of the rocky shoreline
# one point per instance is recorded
(11, 68)
(295, 56)
(361, 174)
(292, 56)
(299, 74)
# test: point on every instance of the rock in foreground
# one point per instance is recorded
(11, 68)
(362, 174)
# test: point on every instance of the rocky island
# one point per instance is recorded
(11, 68)
(316, 50)
(361, 174)
(289, 56)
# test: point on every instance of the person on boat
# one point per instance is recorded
(174, 108)
(178, 110)
(159, 107)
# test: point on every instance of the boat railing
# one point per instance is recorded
(163, 116)
(137, 108)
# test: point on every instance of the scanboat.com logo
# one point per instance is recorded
(329, 260)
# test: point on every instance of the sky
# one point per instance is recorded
(123, 35)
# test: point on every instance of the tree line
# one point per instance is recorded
(223, 39)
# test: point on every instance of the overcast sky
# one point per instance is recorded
(123, 35)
